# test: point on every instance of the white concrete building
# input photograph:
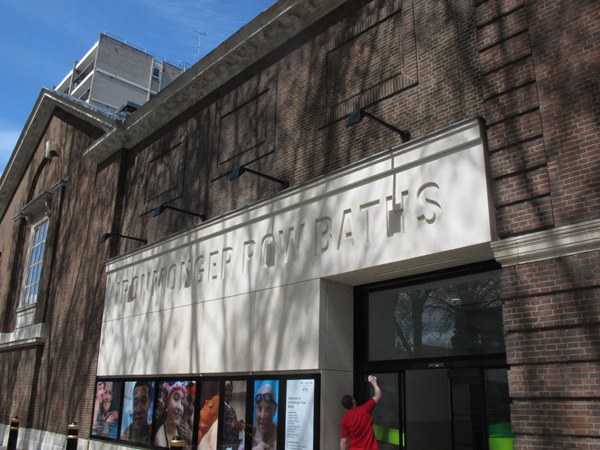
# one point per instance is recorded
(113, 73)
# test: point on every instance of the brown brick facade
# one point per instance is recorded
(530, 68)
(49, 385)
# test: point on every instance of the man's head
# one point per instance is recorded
(265, 405)
(141, 405)
(348, 401)
(228, 393)
(190, 399)
(161, 401)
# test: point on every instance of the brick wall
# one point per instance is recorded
(51, 385)
(413, 64)
(540, 63)
(529, 67)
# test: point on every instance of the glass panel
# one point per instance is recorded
(386, 416)
(177, 418)
(498, 409)
(459, 316)
(234, 415)
(265, 416)
(136, 421)
(428, 421)
(467, 408)
(108, 404)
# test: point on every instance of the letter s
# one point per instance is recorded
(424, 200)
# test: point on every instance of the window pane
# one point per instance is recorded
(428, 419)
(34, 267)
(459, 316)
(386, 416)
(500, 431)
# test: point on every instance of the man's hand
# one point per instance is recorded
(186, 432)
(373, 381)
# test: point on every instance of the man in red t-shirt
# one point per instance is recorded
(357, 424)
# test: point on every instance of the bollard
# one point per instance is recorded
(13, 434)
(177, 442)
(72, 436)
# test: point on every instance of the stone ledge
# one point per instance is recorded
(548, 244)
(23, 337)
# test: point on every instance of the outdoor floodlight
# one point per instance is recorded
(238, 171)
(162, 208)
(106, 236)
(359, 114)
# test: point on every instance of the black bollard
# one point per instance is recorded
(13, 434)
(177, 442)
(72, 436)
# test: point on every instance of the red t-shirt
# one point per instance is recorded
(357, 425)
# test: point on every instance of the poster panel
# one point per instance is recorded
(299, 414)
(208, 425)
(136, 423)
(107, 405)
(234, 415)
(266, 399)
(177, 417)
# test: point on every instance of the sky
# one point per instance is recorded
(40, 41)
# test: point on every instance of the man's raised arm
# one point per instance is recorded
(373, 381)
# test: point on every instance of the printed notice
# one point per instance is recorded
(299, 415)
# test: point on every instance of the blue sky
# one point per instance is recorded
(40, 40)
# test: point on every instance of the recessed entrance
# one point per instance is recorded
(436, 345)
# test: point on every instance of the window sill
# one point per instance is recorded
(23, 337)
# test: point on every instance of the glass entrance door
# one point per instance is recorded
(436, 343)
(443, 408)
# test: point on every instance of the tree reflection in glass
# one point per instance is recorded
(446, 318)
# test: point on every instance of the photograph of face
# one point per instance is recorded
(136, 424)
(107, 404)
(209, 415)
(265, 414)
(234, 414)
(175, 412)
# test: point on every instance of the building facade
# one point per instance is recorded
(407, 189)
(113, 73)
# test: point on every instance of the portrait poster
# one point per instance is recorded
(265, 415)
(299, 414)
(175, 404)
(136, 423)
(208, 424)
(107, 404)
(234, 415)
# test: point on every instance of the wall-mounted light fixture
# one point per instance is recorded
(238, 171)
(359, 114)
(106, 236)
(162, 208)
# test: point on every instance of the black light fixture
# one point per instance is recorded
(162, 208)
(241, 169)
(359, 114)
(106, 236)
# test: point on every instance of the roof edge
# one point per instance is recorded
(45, 105)
(265, 33)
